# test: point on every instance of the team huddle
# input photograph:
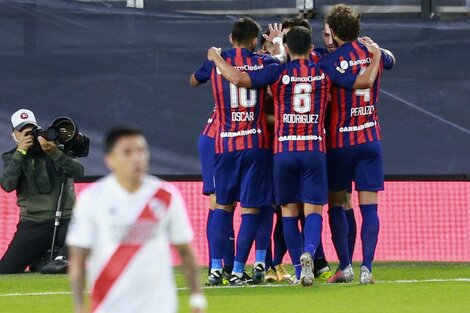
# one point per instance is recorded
(292, 128)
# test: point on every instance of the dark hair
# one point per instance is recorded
(344, 21)
(245, 30)
(263, 40)
(299, 40)
(296, 21)
(116, 133)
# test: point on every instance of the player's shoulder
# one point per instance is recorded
(268, 59)
(321, 51)
(156, 183)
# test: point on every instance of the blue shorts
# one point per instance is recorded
(360, 163)
(206, 148)
(300, 177)
(244, 176)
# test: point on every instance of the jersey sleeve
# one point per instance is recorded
(387, 60)
(180, 230)
(203, 74)
(265, 76)
(81, 230)
(269, 59)
(338, 76)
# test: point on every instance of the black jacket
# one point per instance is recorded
(36, 178)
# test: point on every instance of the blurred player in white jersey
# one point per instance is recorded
(122, 227)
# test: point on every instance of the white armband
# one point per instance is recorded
(277, 40)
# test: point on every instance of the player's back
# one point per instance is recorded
(240, 111)
(210, 129)
(300, 96)
(353, 118)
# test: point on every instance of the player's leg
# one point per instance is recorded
(292, 235)
(313, 192)
(206, 150)
(29, 243)
(270, 271)
(245, 238)
(321, 267)
(340, 172)
(264, 176)
(369, 180)
(280, 248)
(286, 181)
(352, 227)
(229, 255)
(262, 240)
(227, 192)
(255, 192)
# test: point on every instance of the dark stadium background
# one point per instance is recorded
(102, 65)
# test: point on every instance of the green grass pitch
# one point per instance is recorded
(400, 287)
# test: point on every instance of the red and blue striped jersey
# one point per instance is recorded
(315, 56)
(300, 91)
(241, 123)
(210, 129)
(353, 117)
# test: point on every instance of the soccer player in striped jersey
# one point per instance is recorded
(354, 148)
(300, 90)
(287, 25)
(243, 162)
(321, 266)
(206, 148)
(329, 47)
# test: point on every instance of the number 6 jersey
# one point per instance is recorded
(300, 91)
(240, 111)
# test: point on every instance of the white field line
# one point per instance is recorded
(385, 282)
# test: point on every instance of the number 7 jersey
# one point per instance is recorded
(353, 119)
(239, 111)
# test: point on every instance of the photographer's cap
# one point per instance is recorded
(21, 118)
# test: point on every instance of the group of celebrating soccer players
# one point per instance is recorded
(326, 135)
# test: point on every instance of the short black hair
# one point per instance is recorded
(245, 30)
(296, 21)
(344, 21)
(116, 133)
(299, 40)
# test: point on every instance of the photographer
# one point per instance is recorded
(35, 169)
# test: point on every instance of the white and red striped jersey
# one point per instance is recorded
(129, 235)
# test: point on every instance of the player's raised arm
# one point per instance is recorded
(275, 36)
(239, 79)
(388, 58)
(367, 79)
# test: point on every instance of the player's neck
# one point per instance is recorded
(129, 184)
(338, 41)
(238, 46)
(298, 57)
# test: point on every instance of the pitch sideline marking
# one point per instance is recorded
(437, 117)
(385, 282)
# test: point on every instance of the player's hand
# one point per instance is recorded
(47, 146)
(25, 141)
(197, 310)
(213, 52)
(371, 46)
(275, 30)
